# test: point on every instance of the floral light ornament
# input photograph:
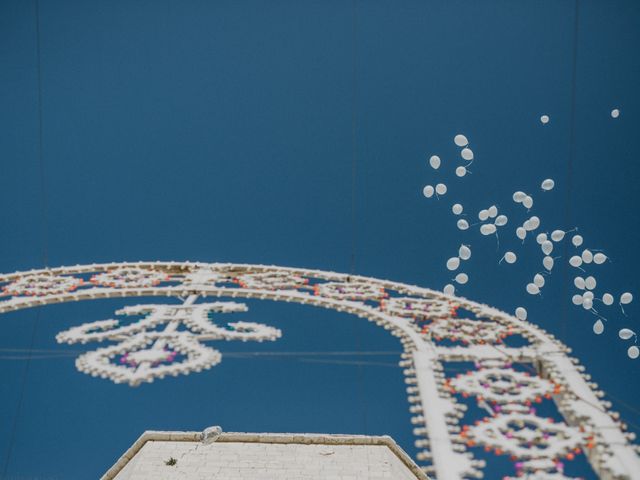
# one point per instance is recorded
(143, 352)
(205, 277)
(272, 281)
(541, 469)
(129, 277)
(468, 331)
(525, 436)
(42, 284)
(417, 308)
(349, 291)
(501, 386)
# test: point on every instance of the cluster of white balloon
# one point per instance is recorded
(435, 162)
(490, 220)
(464, 253)
(585, 296)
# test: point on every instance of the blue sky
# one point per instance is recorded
(222, 131)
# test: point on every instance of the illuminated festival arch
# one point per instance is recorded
(433, 328)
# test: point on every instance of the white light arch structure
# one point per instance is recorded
(425, 321)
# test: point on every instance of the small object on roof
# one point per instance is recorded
(211, 434)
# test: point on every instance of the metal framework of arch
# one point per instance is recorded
(434, 329)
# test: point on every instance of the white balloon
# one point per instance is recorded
(462, 278)
(434, 161)
(579, 283)
(493, 211)
(599, 258)
(453, 263)
(428, 191)
(463, 224)
(532, 289)
(548, 184)
(449, 289)
(521, 233)
(590, 283)
(577, 299)
(488, 229)
(557, 235)
(518, 196)
(510, 257)
(467, 154)
(598, 327)
(626, 298)
(587, 256)
(483, 215)
(587, 303)
(607, 299)
(615, 113)
(441, 189)
(538, 280)
(547, 247)
(544, 119)
(633, 351)
(541, 238)
(457, 209)
(460, 140)
(527, 202)
(588, 295)
(521, 313)
(501, 220)
(626, 334)
(547, 262)
(461, 171)
(577, 240)
(464, 252)
(534, 222)
(575, 261)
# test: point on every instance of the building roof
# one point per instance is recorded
(266, 456)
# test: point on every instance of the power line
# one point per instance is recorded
(354, 170)
(354, 132)
(569, 187)
(43, 239)
(16, 416)
(36, 357)
(39, 350)
(348, 362)
(317, 353)
(41, 354)
(43, 190)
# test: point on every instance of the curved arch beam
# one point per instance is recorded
(419, 317)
